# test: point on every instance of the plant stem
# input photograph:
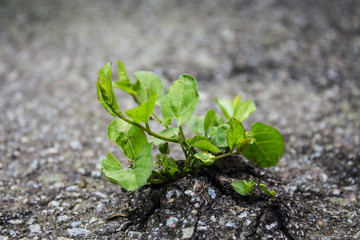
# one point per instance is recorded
(156, 116)
(158, 175)
(225, 155)
(148, 130)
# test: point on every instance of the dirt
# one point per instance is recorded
(297, 60)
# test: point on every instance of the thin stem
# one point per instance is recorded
(156, 116)
(188, 162)
(225, 155)
(182, 134)
(158, 175)
(194, 160)
(147, 126)
(156, 181)
(147, 130)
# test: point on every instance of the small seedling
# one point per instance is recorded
(214, 137)
(243, 187)
(264, 190)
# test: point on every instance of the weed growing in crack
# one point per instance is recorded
(215, 137)
(245, 188)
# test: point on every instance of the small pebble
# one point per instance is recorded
(75, 224)
(62, 218)
(75, 145)
(230, 224)
(100, 194)
(95, 174)
(171, 222)
(35, 228)
(78, 232)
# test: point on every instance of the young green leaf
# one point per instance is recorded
(124, 82)
(130, 179)
(143, 112)
(123, 86)
(266, 191)
(243, 187)
(244, 143)
(110, 164)
(203, 144)
(116, 127)
(226, 106)
(169, 164)
(164, 148)
(141, 94)
(105, 91)
(180, 100)
(196, 124)
(168, 132)
(219, 139)
(235, 134)
(207, 158)
(267, 147)
(101, 100)
(152, 81)
(244, 109)
(123, 76)
(211, 120)
(132, 142)
(236, 100)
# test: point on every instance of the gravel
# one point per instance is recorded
(298, 60)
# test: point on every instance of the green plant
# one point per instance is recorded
(245, 188)
(266, 191)
(215, 138)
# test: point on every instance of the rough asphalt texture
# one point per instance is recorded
(298, 60)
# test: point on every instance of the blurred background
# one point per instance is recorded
(297, 60)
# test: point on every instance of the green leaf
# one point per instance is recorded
(226, 106)
(244, 143)
(267, 147)
(196, 124)
(243, 187)
(123, 86)
(141, 93)
(130, 179)
(132, 142)
(164, 148)
(116, 127)
(236, 100)
(203, 144)
(235, 134)
(211, 120)
(244, 109)
(169, 164)
(105, 91)
(111, 163)
(143, 112)
(192, 141)
(123, 76)
(169, 132)
(152, 81)
(219, 139)
(180, 100)
(207, 158)
(266, 191)
(101, 100)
